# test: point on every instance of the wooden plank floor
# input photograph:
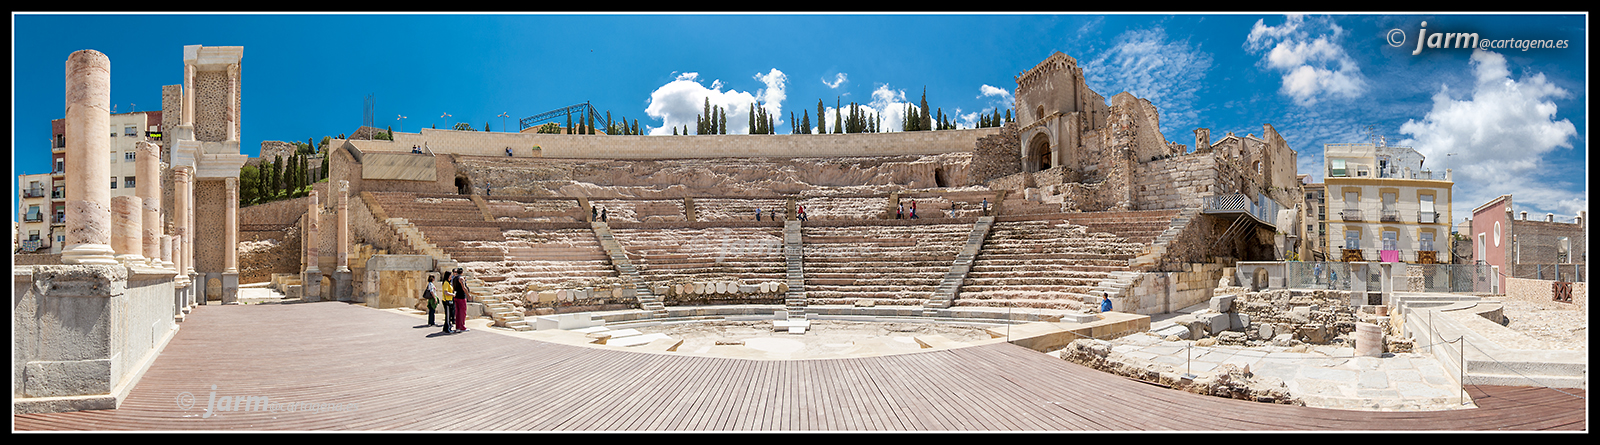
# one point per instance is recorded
(376, 371)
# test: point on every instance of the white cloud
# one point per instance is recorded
(1498, 135)
(1147, 65)
(837, 80)
(1314, 69)
(679, 102)
(772, 96)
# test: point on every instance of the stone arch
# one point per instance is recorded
(463, 185)
(1039, 112)
(1037, 154)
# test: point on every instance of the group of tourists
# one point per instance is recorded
(454, 296)
(597, 213)
(901, 212)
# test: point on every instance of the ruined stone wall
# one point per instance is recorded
(272, 149)
(1143, 123)
(369, 228)
(266, 252)
(1312, 316)
(1174, 183)
(210, 231)
(211, 107)
(287, 211)
(478, 143)
(996, 156)
(1538, 241)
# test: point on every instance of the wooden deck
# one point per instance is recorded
(386, 374)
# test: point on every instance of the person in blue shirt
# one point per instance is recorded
(1105, 304)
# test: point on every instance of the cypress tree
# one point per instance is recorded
(805, 121)
(838, 116)
(722, 121)
(927, 122)
(569, 121)
(822, 121)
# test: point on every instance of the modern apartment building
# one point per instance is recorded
(1316, 221)
(1384, 205)
(33, 232)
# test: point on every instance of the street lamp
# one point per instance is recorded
(402, 122)
(503, 117)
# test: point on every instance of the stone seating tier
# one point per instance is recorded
(1045, 264)
(891, 264)
(722, 209)
(641, 210)
(748, 254)
(844, 208)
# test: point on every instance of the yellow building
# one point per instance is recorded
(1384, 205)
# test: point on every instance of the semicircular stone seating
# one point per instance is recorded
(1048, 264)
(888, 264)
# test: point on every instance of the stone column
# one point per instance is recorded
(183, 202)
(313, 214)
(88, 216)
(311, 280)
(148, 188)
(342, 250)
(230, 222)
(127, 217)
(188, 95)
(166, 251)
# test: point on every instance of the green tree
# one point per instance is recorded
(805, 121)
(249, 187)
(569, 121)
(722, 120)
(838, 116)
(324, 174)
(275, 178)
(822, 126)
(591, 122)
(927, 122)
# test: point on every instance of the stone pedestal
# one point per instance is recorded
(230, 288)
(311, 286)
(127, 230)
(342, 287)
(1387, 282)
(1369, 340)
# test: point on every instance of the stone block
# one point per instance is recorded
(749, 288)
(1369, 340)
(1176, 330)
(1238, 322)
(1213, 323)
(566, 321)
(1314, 333)
(1222, 303)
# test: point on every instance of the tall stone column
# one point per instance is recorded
(127, 218)
(88, 216)
(342, 250)
(183, 203)
(230, 237)
(148, 172)
(166, 251)
(311, 280)
(230, 222)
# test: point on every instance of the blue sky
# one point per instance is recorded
(1515, 119)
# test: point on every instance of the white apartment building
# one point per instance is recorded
(1383, 204)
(33, 231)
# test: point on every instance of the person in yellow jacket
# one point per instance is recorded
(449, 305)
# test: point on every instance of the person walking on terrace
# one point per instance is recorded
(431, 293)
(463, 295)
(758, 213)
(449, 305)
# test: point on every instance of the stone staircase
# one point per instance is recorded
(946, 293)
(503, 314)
(619, 259)
(1159, 246)
(794, 301)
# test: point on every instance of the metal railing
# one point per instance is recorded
(1264, 209)
(1366, 277)
(1428, 217)
(1390, 216)
(33, 193)
(1350, 214)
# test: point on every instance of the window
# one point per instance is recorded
(33, 235)
(1336, 168)
(129, 156)
(1351, 199)
(1563, 249)
(127, 182)
(1482, 254)
(113, 182)
(1427, 216)
(1352, 239)
(61, 165)
(1389, 240)
(130, 131)
(1427, 241)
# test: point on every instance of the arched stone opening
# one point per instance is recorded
(463, 185)
(1038, 155)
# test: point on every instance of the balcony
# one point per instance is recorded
(59, 219)
(1390, 216)
(33, 193)
(1350, 214)
(1428, 217)
(35, 217)
(58, 195)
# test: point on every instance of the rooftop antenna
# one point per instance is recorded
(366, 110)
(1372, 137)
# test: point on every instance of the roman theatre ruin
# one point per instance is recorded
(1078, 200)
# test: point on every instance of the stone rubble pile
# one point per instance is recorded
(1228, 380)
